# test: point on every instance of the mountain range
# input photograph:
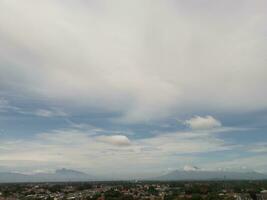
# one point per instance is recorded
(60, 175)
(69, 175)
(211, 175)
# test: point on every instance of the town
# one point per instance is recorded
(131, 190)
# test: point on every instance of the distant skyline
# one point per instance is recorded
(133, 88)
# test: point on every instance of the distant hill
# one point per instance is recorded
(60, 175)
(12, 177)
(69, 175)
(211, 175)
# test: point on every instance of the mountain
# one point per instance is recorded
(60, 175)
(12, 177)
(211, 175)
(189, 173)
(69, 172)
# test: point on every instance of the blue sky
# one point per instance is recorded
(133, 88)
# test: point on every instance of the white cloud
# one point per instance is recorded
(3, 104)
(257, 147)
(190, 168)
(146, 60)
(120, 140)
(203, 123)
(254, 162)
(50, 113)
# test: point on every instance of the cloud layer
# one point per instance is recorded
(145, 60)
(81, 148)
(90, 84)
(98, 151)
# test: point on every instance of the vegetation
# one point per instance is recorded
(198, 190)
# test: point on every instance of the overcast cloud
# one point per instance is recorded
(156, 60)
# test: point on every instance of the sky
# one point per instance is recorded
(133, 88)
